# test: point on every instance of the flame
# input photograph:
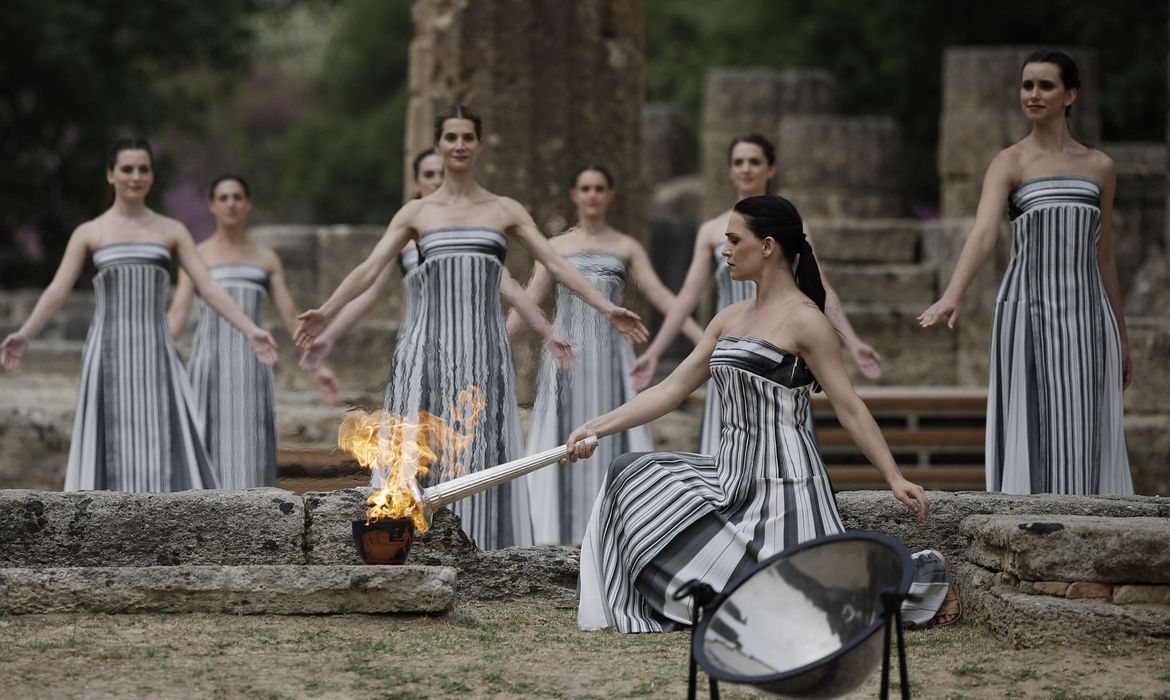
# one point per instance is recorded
(402, 451)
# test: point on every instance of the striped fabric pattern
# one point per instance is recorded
(455, 338)
(408, 262)
(233, 389)
(665, 518)
(728, 292)
(562, 498)
(1054, 407)
(136, 427)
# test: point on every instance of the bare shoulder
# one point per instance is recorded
(1104, 170)
(809, 324)
(713, 228)
(268, 258)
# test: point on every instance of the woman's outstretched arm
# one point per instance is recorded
(655, 402)
(817, 344)
(700, 271)
(51, 300)
(997, 185)
(657, 293)
(625, 321)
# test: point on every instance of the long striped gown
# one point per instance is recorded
(562, 498)
(456, 339)
(136, 427)
(233, 389)
(728, 292)
(666, 518)
(1054, 405)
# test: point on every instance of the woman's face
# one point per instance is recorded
(591, 195)
(746, 253)
(1042, 93)
(230, 204)
(132, 175)
(458, 145)
(750, 170)
(430, 174)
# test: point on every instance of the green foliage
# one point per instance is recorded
(74, 74)
(346, 163)
(887, 56)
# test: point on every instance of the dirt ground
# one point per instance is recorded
(521, 650)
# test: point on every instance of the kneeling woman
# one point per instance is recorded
(666, 518)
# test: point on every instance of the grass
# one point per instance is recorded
(506, 650)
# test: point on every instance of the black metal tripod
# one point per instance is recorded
(701, 595)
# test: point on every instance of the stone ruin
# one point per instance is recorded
(843, 173)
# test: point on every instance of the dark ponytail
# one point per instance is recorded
(768, 215)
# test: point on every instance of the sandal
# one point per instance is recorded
(952, 606)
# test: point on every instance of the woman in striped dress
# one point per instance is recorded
(599, 382)
(1059, 349)
(664, 518)
(137, 427)
(456, 337)
(233, 391)
(428, 176)
(752, 161)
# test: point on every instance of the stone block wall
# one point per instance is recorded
(738, 101)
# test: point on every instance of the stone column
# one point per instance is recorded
(666, 143)
(840, 167)
(981, 115)
(739, 101)
(558, 84)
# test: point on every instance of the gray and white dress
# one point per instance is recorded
(728, 292)
(666, 518)
(455, 339)
(233, 389)
(562, 498)
(136, 427)
(1054, 403)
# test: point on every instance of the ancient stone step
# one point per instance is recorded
(111, 528)
(241, 590)
(1027, 620)
(882, 283)
(1072, 548)
(865, 240)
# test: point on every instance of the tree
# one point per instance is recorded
(74, 74)
(887, 56)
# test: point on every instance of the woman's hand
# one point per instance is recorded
(942, 309)
(912, 496)
(562, 350)
(263, 345)
(578, 448)
(313, 324)
(629, 324)
(13, 349)
(868, 360)
(313, 356)
(326, 385)
(643, 370)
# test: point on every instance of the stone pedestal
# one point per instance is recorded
(839, 167)
(739, 101)
(981, 114)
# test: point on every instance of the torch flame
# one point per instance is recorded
(401, 451)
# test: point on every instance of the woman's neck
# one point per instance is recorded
(751, 192)
(592, 225)
(233, 235)
(775, 283)
(1053, 136)
(460, 184)
(128, 209)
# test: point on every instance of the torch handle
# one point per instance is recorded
(450, 491)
